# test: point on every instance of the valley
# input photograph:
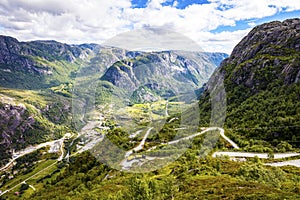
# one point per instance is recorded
(98, 122)
(91, 138)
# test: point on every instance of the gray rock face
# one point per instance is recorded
(167, 68)
(268, 53)
(23, 124)
(14, 121)
(261, 80)
(42, 64)
(10, 54)
(13, 124)
(266, 39)
(24, 63)
(13, 52)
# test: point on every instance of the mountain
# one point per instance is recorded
(34, 116)
(43, 64)
(162, 73)
(37, 64)
(181, 66)
(262, 94)
(262, 83)
(39, 78)
(31, 117)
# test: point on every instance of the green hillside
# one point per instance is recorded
(29, 117)
(261, 79)
(262, 83)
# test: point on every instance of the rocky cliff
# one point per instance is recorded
(167, 70)
(28, 118)
(37, 64)
(261, 79)
(272, 45)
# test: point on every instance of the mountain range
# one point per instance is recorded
(39, 79)
(259, 82)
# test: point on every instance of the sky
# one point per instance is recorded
(215, 25)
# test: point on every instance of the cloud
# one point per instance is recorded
(81, 21)
(251, 24)
(245, 9)
(64, 20)
(143, 39)
(219, 42)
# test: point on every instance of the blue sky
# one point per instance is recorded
(180, 4)
(244, 24)
(240, 25)
(215, 25)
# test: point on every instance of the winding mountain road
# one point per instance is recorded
(222, 133)
(166, 110)
(128, 163)
(31, 149)
(295, 163)
(252, 155)
(202, 132)
(141, 145)
(125, 163)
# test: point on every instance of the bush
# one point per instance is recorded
(257, 172)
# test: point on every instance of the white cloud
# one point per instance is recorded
(251, 24)
(219, 42)
(155, 4)
(175, 3)
(70, 20)
(248, 9)
(79, 21)
(289, 5)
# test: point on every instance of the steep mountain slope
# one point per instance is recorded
(162, 63)
(262, 82)
(37, 64)
(52, 68)
(162, 73)
(29, 117)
